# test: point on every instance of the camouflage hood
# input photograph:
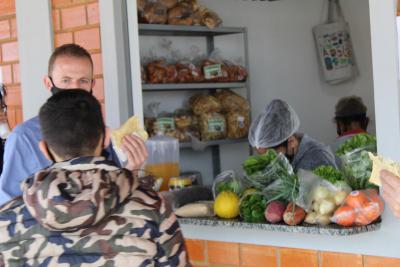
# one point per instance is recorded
(77, 194)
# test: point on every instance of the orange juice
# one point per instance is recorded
(164, 170)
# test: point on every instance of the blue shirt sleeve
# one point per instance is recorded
(22, 158)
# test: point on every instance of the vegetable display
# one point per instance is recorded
(360, 208)
(356, 142)
(356, 163)
(329, 173)
(254, 164)
(261, 171)
(252, 208)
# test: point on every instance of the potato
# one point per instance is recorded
(311, 218)
(293, 215)
(323, 219)
(274, 211)
(340, 197)
(327, 207)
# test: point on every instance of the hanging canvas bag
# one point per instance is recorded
(335, 51)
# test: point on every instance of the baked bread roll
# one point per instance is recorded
(131, 126)
(380, 163)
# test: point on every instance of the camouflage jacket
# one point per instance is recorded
(88, 212)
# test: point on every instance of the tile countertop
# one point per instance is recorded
(377, 239)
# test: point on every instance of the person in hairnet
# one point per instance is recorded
(276, 128)
(350, 118)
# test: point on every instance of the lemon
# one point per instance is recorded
(226, 205)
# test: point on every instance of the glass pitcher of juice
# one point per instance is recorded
(163, 159)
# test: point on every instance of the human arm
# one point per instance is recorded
(172, 249)
(21, 159)
(391, 191)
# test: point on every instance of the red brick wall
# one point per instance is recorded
(74, 21)
(77, 21)
(9, 60)
(209, 253)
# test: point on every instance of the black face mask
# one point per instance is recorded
(54, 89)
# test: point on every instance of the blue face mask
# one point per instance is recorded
(54, 89)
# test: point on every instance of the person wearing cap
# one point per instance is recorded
(350, 118)
(277, 128)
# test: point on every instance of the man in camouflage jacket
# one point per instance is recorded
(88, 212)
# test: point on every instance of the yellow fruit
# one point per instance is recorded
(226, 205)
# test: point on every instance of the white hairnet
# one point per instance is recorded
(274, 125)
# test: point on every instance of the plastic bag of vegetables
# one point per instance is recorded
(227, 181)
(263, 170)
(285, 188)
(318, 196)
(356, 163)
(361, 207)
(252, 207)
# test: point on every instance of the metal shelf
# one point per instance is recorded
(216, 142)
(190, 86)
(179, 30)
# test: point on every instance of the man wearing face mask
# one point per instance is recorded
(70, 67)
(276, 128)
(350, 119)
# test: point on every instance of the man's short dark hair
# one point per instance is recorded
(69, 50)
(72, 123)
(351, 109)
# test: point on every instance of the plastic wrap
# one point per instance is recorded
(278, 168)
(357, 166)
(238, 123)
(227, 181)
(201, 104)
(230, 101)
(180, 15)
(212, 126)
(169, 3)
(154, 13)
(361, 207)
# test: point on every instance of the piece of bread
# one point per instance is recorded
(131, 126)
(380, 163)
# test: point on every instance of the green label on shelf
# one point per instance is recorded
(165, 124)
(212, 71)
(216, 125)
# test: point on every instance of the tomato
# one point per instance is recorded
(376, 198)
(371, 211)
(345, 216)
(357, 199)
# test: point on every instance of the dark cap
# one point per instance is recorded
(350, 106)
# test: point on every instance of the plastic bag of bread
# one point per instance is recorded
(183, 118)
(204, 104)
(206, 17)
(238, 123)
(212, 126)
(169, 3)
(157, 71)
(180, 15)
(188, 72)
(213, 69)
(192, 4)
(154, 13)
(230, 101)
(131, 126)
(236, 72)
